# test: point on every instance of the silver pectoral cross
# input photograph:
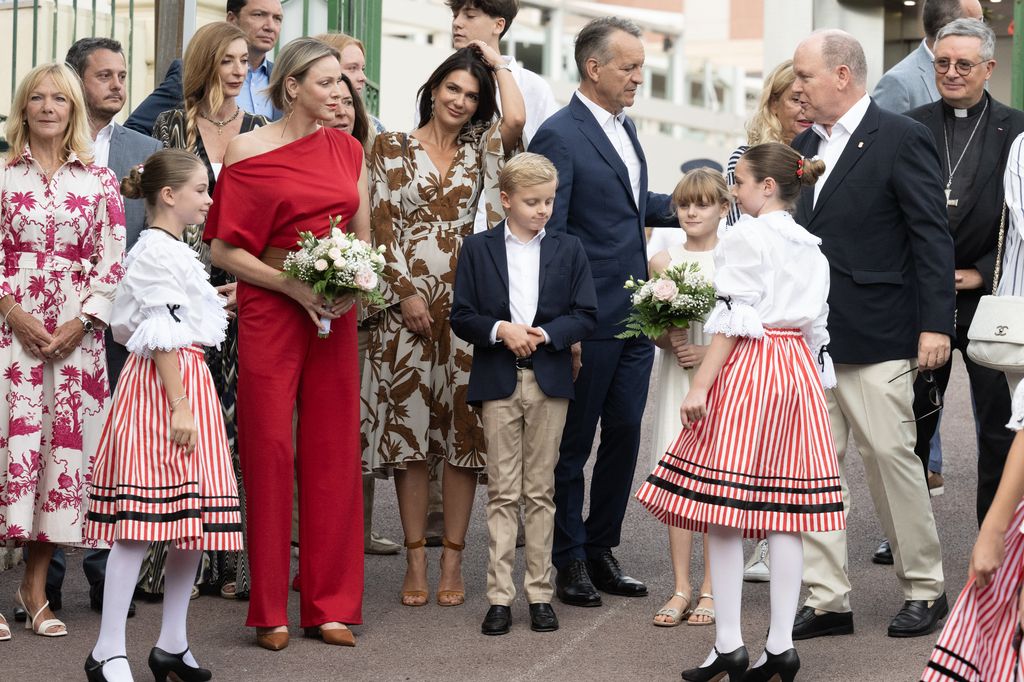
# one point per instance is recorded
(949, 201)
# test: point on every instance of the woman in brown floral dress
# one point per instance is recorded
(425, 187)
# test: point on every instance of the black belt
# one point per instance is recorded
(524, 363)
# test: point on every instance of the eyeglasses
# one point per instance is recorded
(934, 395)
(962, 66)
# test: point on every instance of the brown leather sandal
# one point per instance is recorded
(414, 597)
(451, 597)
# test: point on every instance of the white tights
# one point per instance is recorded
(725, 551)
(122, 574)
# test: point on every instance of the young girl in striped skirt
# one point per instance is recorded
(755, 456)
(983, 633)
(163, 469)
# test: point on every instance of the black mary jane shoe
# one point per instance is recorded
(94, 668)
(777, 668)
(163, 664)
(733, 664)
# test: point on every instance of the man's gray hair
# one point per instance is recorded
(839, 48)
(592, 40)
(972, 28)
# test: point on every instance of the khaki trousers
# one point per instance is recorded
(523, 433)
(865, 404)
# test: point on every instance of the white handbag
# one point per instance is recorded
(996, 335)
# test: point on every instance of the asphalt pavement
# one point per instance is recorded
(613, 642)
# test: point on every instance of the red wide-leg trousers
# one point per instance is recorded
(284, 366)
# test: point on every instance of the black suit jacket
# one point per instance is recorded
(168, 95)
(566, 309)
(975, 238)
(881, 217)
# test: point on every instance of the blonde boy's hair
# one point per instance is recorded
(526, 170)
(701, 185)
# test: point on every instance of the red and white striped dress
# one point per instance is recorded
(763, 459)
(981, 641)
(144, 486)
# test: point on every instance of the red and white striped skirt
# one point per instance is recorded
(981, 641)
(763, 458)
(144, 486)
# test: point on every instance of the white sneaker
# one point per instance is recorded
(756, 570)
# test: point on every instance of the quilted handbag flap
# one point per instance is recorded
(999, 319)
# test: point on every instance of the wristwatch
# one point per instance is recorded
(86, 323)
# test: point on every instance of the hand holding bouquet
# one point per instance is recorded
(335, 265)
(678, 296)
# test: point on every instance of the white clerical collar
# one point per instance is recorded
(600, 113)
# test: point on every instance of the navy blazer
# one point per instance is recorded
(881, 217)
(168, 95)
(595, 203)
(566, 309)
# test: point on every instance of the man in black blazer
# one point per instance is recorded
(973, 133)
(879, 211)
(602, 199)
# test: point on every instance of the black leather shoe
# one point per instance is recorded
(163, 664)
(883, 555)
(608, 577)
(809, 625)
(573, 586)
(94, 668)
(96, 600)
(543, 618)
(498, 620)
(733, 664)
(782, 667)
(916, 618)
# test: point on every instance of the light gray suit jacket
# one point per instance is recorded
(127, 149)
(909, 84)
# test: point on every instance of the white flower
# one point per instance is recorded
(336, 233)
(340, 263)
(320, 264)
(665, 290)
(366, 279)
(334, 254)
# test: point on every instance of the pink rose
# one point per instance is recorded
(664, 290)
(366, 279)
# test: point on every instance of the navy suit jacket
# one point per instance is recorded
(881, 217)
(595, 203)
(168, 95)
(566, 309)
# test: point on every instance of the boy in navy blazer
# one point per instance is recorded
(522, 298)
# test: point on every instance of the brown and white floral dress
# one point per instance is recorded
(414, 392)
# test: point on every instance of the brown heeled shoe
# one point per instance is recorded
(414, 597)
(272, 641)
(451, 597)
(337, 636)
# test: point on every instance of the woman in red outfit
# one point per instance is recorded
(289, 176)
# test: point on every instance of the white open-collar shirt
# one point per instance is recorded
(831, 146)
(614, 126)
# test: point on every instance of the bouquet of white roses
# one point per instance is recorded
(335, 265)
(676, 297)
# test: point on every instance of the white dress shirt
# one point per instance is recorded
(523, 280)
(101, 145)
(831, 146)
(613, 126)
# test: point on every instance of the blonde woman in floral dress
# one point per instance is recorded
(61, 245)
(426, 186)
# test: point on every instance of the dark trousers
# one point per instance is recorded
(94, 564)
(991, 398)
(611, 389)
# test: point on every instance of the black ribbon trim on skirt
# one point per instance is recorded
(222, 528)
(947, 672)
(751, 487)
(142, 498)
(745, 505)
(958, 657)
(766, 478)
(145, 487)
(157, 518)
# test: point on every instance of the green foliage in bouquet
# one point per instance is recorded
(676, 297)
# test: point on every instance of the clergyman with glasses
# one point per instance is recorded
(973, 133)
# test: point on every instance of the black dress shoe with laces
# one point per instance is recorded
(498, 620)
(543, 618)
(608, 577)
(809, 624)
(733, 664)
(573, 586)
(883, 555)
(916, 618)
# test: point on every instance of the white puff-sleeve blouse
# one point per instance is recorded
(165, 300)
(770, 272)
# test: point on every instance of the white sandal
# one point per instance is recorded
(675, 616)
(5, 629)
(703, 611)
(41, 628)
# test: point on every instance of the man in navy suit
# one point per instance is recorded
(880, 212)
(522, 297)
(602, 199)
